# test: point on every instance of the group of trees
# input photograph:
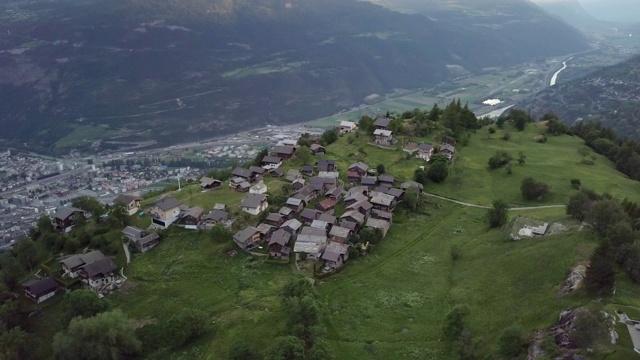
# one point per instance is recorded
(625, 153)
(518, 117)
(617, 224)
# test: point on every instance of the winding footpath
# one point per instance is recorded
(523, 208)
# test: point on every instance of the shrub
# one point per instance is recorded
(500, 159)
(533, 190)
(575, 183)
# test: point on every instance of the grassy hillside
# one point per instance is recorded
(555, 162)
(392, 303)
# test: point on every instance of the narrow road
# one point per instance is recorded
(523, 208)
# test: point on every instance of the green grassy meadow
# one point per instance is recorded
(555, 162)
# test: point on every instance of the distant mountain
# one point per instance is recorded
(609, 96)
(569, 11)
(182, 70)
(614, 10)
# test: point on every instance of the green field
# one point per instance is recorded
(555, 162)
(84, 135)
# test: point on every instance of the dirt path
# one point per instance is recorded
(523, 208)
(125, 246)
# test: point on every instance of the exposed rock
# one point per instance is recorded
(574, 281)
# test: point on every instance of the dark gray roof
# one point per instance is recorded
(241, 172)
(288, 150)
(406, 185)
(126, 199)
(311, 214)
(133, 232)
(207, 181)
(274, 217)
(285, 210)
(447, 148)
(369, 180)
(354, 214)
(271, 160)
(323, 165)
(315, 147)
(425, 147)
(65, 212)
(340, 231)
(359, 165)
(280, 237)
(395, 192)
(386, 178)
(167, 203)
(292, 224)
(382, 122)
(253, 200)
(217, 215)
(42, 286)
(257, 170)
(195, 212)
(149, 238)
(74, 261)
(99, 267)
(327, 218)
(307, 168)
(244, 235)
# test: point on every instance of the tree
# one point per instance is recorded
(89, 204)
(512, 342)
(329, 137)
(320, 351)
(285, 348)
(185, 325)
(412, 198)
(27, 253)
(369, 235)
(118, 215)
(221, 234)
(240, 350)
(366, 124)
(304, 154)
(83, 303)
(533, 190)
(620, 236)
(499, 159)
(455, 322)
(420, 176)
(297, 287)
(11, 270)
(506, 136)
(438, 172)
(576, 183)
(380, 169)
(509, 169)
(107, 336)
(522, 158)
(579, 205)
(600, 276)
(257, 160)
(604, 213)
(14, 344)
(434, 114)
(497, 215)
(520, 118)
(589, 327)
(44, 225)
(491, 130)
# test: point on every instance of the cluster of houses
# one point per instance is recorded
(95, 270)
(308, 224)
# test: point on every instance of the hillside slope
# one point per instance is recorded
(174, 71)
(609, 96)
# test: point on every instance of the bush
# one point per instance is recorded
(500, 159)
(506, 136)
(512, 342)
(575, 183)
(497, 215)
(186, 325)
(438, 172)
(533, 190)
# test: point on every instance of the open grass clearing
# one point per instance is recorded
(82, 135)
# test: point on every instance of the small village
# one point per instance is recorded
(323, 209)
